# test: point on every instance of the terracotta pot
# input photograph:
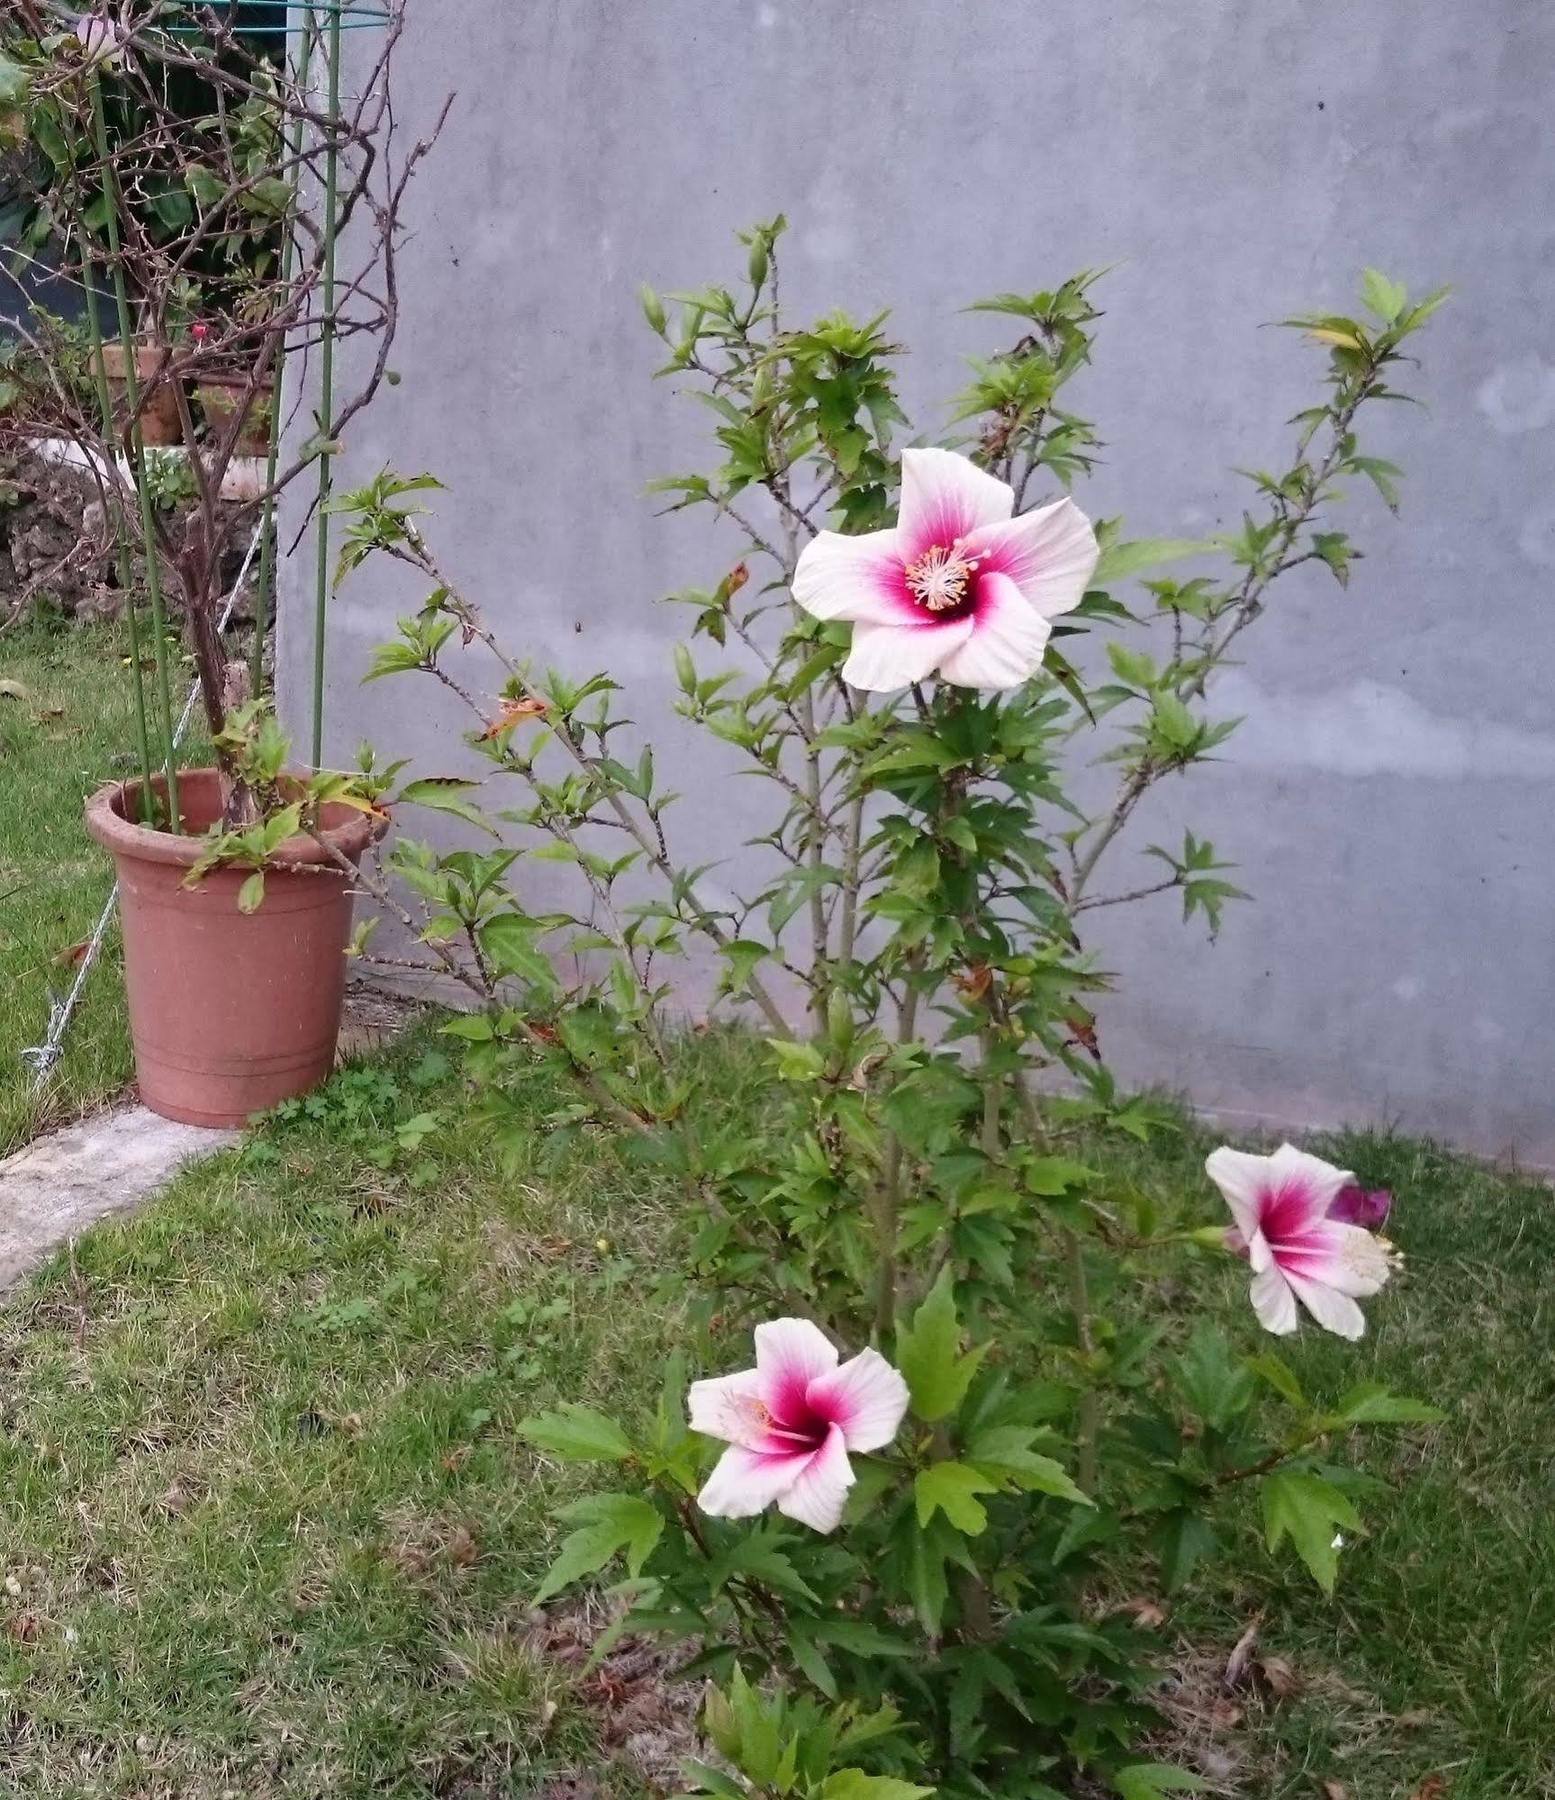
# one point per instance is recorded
(230, 1013)
(160, 425)
(219, 400)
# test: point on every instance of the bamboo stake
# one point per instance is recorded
(138, 455)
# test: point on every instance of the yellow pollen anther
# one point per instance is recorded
(939, 578)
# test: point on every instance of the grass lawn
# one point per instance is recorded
(65, 728)
(265, 1528)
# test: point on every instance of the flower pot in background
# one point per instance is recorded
(230, 1013)
(160, 425)
(221, 399)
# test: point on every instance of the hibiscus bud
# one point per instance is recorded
(1367, 1207)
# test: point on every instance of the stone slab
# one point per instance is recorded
(56, 1186)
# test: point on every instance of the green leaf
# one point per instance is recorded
(917, 869)
(928, 1354)
(395, 658)
(1131, 666)
(1216, 1386)
(812, 1664)
(952, 1488)
(1049, 1176)
(1120, 560)
(445, 793)
(251, 894)
(1148, 1781)
(1006, 1450)
(742, 955)
(1308, 1510)
(854, 1784)
(509, 944)
(608, 1524)
(796, 1061)
(13, 78)
(712, 1781)
(1383, 297)
(1173, 724)
(578, 1434)
(1278, 1375)
(1182, 1540)
(474, 1028)
(1370, 1403)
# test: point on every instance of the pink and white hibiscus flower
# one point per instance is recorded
(1298, 1249)
(100, 39)
(790, 1423)
(957, 586)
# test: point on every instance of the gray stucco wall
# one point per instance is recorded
(1389, 800)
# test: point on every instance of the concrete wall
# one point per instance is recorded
(1389, 801)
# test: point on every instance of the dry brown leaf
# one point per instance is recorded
(514, 712)
(1146, 1614)
(462, 1547)
(1276, 1677)
(976, 982)
(1434, 1787)
(1235, 1673)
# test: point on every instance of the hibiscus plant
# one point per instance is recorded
(891, 1542)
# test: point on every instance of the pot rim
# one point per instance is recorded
(107, 820)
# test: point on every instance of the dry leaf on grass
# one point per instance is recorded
(1235, 1673)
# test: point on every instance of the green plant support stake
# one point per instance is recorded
(138, 452)
(326, 381)
(267, 543)
(94, 328)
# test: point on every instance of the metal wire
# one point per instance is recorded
(42, 1058)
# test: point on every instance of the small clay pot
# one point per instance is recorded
(230, 1012)
(160, 425)
(219, 400)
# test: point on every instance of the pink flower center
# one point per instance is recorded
(797, 1423)
(940, 580)
(1286, 1213)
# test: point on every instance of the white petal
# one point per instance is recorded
(1295, 1170)
(1334, 1311)
(743, 1484)
(866, 1397)
(1243, 1179)
(817, 1498)
(1050, 554)
(1008, 638)
(946, 497)
(1346, 1258)
(790, 1354)
(887, 657)
(1273, 1302)
(841, 577)
(730, 1408)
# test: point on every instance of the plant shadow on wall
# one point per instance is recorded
(881, 1541)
